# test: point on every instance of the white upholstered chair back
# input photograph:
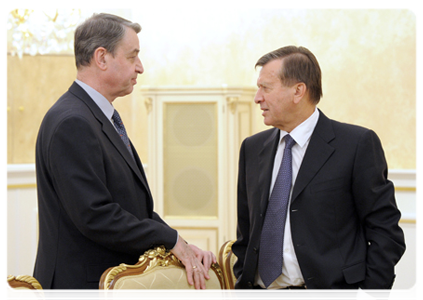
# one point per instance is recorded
(157, 275)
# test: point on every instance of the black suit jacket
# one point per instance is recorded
(344, 218)
(95, 206)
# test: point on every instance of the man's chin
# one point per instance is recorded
(267, 122)
(126, 92)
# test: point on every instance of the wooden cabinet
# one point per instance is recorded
(194, 139)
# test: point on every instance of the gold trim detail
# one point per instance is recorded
(21, 186)
(228, 248)
(26, 279)
(224, 258)
(148, 101)
(159, 257)
(405, 189)
(112, 274)
(218, 270)
(408, 221)
(232, 103)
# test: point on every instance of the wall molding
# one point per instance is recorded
(19, 175)
(403, 179)
(405, 193)
(22, 176)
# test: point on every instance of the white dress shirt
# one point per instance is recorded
(101, 101)
(291, 273)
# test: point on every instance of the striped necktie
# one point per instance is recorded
(121, 130)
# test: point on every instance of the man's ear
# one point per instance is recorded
(100, 58)
(299, 92)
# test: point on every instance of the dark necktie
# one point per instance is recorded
(121, 130)
(272, 234)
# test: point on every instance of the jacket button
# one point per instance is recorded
(255, 250)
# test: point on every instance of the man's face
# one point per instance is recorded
(125, 66)
(276, 100)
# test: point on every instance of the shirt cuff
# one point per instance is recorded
(177, 239)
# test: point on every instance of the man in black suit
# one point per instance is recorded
(341, 229)
(95, 206)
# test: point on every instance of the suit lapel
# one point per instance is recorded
(266, 166)
(318, 152)
(115, 139)
(110, 132)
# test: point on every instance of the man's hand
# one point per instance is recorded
(197, 262)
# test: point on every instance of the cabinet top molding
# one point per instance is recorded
(223, 89)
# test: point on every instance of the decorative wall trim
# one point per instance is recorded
(22, 186)
(405, 193)
(25, 174)
(22, 176)
(403, 179)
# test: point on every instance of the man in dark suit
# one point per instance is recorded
(95, 206)
(340, 230)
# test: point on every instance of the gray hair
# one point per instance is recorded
(100, 30)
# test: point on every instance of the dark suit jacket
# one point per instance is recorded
(344, 218)
(95, 206)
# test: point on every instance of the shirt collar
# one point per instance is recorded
(302, 133)
(101, 101)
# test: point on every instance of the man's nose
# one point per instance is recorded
(139, 68)
(259, 97)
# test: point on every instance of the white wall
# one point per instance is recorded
(22, 223)
(22, 231)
